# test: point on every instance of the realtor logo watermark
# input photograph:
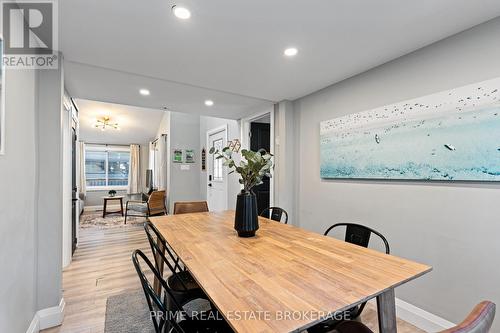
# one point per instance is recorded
(30, 34)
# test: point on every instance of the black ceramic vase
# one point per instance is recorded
(246, 220)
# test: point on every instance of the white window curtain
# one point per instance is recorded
(82, 181)
(158, 162)
(134, 170)
(154, 162)
(151, 164)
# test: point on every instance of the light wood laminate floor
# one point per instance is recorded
(102, 267)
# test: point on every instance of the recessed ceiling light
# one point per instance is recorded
(144, 92)
(291, 51)
(209, 102)
(181, 12)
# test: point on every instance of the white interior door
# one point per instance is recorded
(216, 173)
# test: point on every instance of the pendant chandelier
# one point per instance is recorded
(105, 123)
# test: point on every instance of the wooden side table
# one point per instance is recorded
(106, 199)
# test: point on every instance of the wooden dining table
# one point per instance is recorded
(285, 279)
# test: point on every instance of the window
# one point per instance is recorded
(106, 167)
(95, 168)
(217, 162)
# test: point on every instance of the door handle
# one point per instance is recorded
(210, 184)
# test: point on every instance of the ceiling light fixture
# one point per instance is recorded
(105, 123)
(209, 102)
(291, 51)
(144, 92)
(181, 12)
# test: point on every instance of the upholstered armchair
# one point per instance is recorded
(154, 205)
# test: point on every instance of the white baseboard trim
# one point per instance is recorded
(35, 325)
(418, 317)
(47, 318)
(53, 316)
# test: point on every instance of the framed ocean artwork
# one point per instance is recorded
(449, 136)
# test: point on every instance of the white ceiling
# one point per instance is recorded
(112, 86)
(137, 125)
(233, 50)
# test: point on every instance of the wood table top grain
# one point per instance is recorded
(285, 278)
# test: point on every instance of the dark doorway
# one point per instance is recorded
(260, 138)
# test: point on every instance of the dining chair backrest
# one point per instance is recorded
(156, 202)
(359, 234)
(159, 313)
(184, 207)
(478, 321)
(275, 214)
(159, 247)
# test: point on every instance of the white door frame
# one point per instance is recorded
(211, 132)
(67, 136)
(245, 142)
(74, 116)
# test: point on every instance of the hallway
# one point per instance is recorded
(101, 267)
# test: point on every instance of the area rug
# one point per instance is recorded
(94, 219)
(129, 313)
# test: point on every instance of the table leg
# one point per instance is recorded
(121, 206)
(386, 306)
(104, 208)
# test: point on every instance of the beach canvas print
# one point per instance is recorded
(452, 135)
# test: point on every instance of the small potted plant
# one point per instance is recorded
(112, 193)
(252, 168)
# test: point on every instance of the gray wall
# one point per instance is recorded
(207, 124)
(453, 227)
(31, 200)
(285, 159)
(184, 134)
(94, 198)
(187, 131)
(49, 200)
(17, 204)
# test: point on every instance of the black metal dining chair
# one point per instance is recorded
(173, 318)
(275, 214)
(359, 235)
(182, 284)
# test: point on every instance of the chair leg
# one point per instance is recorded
(126, 212)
